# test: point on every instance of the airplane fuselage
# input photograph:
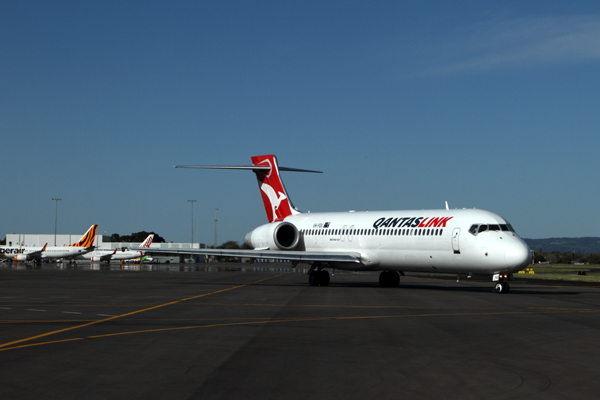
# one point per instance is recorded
(108, 255)
(452, 241)
(20, 253)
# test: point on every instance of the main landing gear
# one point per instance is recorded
(317, 276)
(389, 279)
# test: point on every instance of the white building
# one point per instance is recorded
(102, 242)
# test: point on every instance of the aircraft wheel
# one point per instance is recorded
(313, 278)
(502, 288)
(384, 279)
(323, 278)
(389, 279)
(394, 278)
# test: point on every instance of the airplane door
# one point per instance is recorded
(455, 237)
(343, 236)
(350, 233)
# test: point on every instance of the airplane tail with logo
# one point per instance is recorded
(147, 242)
(87, 240)
(277, 202)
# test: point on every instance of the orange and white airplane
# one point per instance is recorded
(28, 253)
(446, 241)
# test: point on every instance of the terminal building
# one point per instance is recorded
(102, 242)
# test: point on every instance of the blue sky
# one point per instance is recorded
(403, 105)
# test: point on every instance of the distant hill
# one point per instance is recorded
(584, 245)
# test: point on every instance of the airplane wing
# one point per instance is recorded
(107, 257)
(349, 257)
(37, 254)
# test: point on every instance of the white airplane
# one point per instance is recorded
(27, 253)
(446, 241)
(116, 254)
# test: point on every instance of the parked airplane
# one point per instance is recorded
(446, 241)
(87, 240)
(28, 253)
(108, 255)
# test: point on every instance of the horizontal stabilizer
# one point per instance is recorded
(249, 167)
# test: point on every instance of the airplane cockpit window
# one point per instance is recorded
(478, 228)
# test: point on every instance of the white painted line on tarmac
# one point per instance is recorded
(71, 312)
(31, 309)
(105, 315)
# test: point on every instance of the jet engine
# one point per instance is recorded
(21, 257)
(274, 236)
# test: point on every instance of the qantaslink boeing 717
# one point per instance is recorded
(447, 241)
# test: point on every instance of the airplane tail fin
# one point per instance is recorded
(148, 241)
(277, 202)
(87, 240)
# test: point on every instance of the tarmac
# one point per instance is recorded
(218, 331)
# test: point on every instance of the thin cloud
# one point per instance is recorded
(518, 44)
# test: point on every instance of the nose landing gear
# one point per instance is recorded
(501, 286)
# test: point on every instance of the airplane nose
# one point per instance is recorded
(518, 256)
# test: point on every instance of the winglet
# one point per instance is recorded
(44, 249)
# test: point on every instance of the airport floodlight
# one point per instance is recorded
(216, 209)
(192, 242)
(56, 199)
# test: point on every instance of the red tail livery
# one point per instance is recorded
(276, 199)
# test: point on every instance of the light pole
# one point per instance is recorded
(192, 202)
(216, 209)
(55, 218)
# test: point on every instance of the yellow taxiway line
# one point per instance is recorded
(130, 313)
